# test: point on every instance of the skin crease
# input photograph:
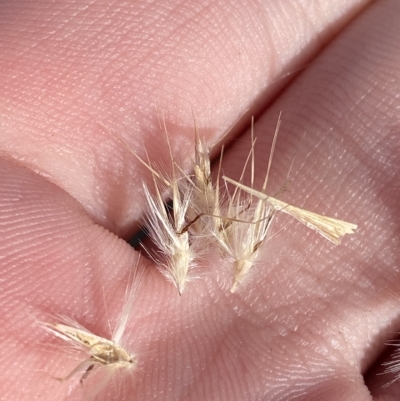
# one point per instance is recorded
(311, 321)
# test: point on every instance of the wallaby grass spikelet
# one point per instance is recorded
(330, 228)
(393, 366)
(245, 223)
(202, 211)
(109, 358)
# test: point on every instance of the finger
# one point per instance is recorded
(54, 260)
(70, 66)
(339, 118)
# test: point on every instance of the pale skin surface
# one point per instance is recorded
(312, 321)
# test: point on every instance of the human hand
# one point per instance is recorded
(313, 318)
